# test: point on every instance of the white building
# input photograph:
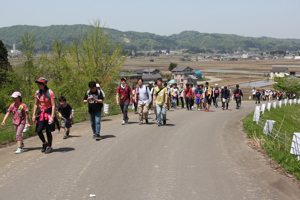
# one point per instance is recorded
(278, 72)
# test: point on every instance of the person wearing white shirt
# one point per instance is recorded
(254, 93)
(144, 96)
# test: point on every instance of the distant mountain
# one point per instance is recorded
(45, 37)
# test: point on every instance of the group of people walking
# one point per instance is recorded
(271, 95)
(156, 94)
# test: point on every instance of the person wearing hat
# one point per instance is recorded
(125, 95)
(46, 119)
(20, 115)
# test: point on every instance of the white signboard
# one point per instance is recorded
(285, 102)
(295, 101)
(280, 103)
(299, 101)
(269, 127)
(263, 108)
(249, 97)
(269, 106)
(290, 101)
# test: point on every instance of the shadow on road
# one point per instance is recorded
(31, 149)
(169, 125)
(103, 120)
(103, 137)
(74, 136)
(63, 149)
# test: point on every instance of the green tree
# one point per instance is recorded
(5, 66)
(172, 66)
(288, 84)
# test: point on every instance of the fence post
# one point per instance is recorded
(256, 115)
(290, 101)
(274, 104)
(285, 102)
(269, 127)
(295, 148)
(298, 101)
(295, 101)
(249, 97)
(269, 106)
(263, 108)
(280, 103)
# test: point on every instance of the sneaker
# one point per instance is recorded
(205, 109)
(164, 121)
(123, 122)
(223, 108)
(141, 123)
(48, 150)
(44, 147)
(94, 136)
(19, 150)
(147, 121)
(198, 109)
(150, 112)
(65, 137)
(226, 108)
(126, 121)
(98, 137)
(159, 125)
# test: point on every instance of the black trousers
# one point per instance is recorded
(189, 103)
(257, 100)
(124, 108)
(44, 125)
(182, 102)
(238, 101)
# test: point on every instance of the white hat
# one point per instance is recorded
(16, 94)
(97, 85)
(216, 84)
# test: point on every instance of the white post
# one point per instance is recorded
(269, 106)
(290, 101)
(280, 103)
(256, 115)
(274, 104)
(299, 101)
(295, 101)
(249, 97)
(295, 148)
(263, 108)
(269, 127)
(285, 102)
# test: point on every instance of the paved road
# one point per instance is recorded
(196, 156)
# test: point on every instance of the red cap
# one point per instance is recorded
(123, 78)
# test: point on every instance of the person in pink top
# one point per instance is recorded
(20, 115)
(46, 119)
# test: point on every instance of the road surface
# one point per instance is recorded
(197, 155)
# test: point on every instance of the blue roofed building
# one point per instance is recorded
(197, 74)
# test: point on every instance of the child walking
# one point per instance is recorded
(65, 114)
(20, 112)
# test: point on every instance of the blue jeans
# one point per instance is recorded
(173, 100)
(217, 99)
(161, 110)
(95, 119)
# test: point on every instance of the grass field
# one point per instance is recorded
(287, 122)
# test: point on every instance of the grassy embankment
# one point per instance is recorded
(287, 122)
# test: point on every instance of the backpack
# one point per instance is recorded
(38, 94)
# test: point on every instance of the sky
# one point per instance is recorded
(255, 18)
